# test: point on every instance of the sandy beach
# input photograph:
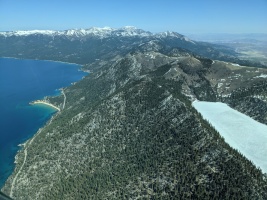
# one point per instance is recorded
(46, 103)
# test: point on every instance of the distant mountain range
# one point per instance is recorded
(94, 31)
(56, 45)
(128, 130)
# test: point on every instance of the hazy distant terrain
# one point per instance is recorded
(249, 46)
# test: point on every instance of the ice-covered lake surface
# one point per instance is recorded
(239, 131)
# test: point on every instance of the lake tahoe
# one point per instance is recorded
(23, 81)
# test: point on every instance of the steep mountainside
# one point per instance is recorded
(128, 130)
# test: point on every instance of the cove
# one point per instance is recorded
(23, 81)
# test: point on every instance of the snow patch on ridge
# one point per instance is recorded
(261, 76)
(239, 131)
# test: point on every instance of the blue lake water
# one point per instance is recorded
(22, 81)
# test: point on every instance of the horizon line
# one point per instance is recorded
(108, 27)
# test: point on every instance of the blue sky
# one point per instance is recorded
(183, 16)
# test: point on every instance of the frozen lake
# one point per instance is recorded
(239, 131)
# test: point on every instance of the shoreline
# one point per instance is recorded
(42, 60)
(69, 63)
(24, 145)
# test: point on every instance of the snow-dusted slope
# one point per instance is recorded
(174, 35)
(239, 131)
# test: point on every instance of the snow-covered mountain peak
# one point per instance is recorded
(100, 31)
(104, 29)
(72, 32)
(132, 31)
(174, 34)
(170, 34)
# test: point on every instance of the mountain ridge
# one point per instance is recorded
(96, 31)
